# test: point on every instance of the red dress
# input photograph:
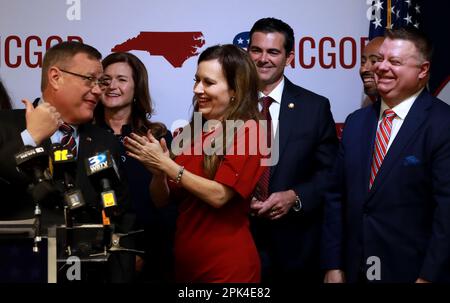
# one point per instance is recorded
(215, 244)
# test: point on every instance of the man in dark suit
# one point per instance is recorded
(388, 209)
(71, 88)
(287, 220)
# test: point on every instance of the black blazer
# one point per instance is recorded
(16, 203)
(404, 219)
(307, 147)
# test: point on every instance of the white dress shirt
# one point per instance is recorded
(274, 108)
(401, 110)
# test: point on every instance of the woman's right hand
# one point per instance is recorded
(148, 151)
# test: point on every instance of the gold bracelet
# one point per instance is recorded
(180, 174)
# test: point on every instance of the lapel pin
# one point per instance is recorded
(291, 105)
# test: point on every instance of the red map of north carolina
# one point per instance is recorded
(176, 47)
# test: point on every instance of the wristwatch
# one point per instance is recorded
(297, 204)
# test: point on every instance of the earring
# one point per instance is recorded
(232, 99)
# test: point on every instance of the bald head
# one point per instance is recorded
(368, 58)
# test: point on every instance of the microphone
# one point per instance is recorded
(63, 168)
(102, 170)
(34, 163)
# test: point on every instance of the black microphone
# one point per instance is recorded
(34, 163)
(102, 170)
(63, 168)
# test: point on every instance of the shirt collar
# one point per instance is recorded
(276, 93)
(74, 127)
(401, 109)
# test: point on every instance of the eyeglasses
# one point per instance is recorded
(90, 80)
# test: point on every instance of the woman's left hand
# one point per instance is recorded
(146, 150)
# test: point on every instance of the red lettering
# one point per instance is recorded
(322, 63)
(342, 52)
(74, 38)
(302, 52)
(49, 44)
(32, 51)
(7, 51)
(28, 52)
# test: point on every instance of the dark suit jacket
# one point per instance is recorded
(404, 219)
(15, 202)
(307, 148)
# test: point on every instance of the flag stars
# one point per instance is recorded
(378, 5)
(377, 22)
(417, 8)
(408, 19)
(409, 2)
(416, 25)
(393, 9)
(240, 41)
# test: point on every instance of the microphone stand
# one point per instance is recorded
(37, 227)
(116, 247)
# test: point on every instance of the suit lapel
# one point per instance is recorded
(286, 118)
(367, 142)
(415, 118)
(85, 146)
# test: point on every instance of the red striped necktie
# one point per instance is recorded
(262, 187)
(381, 143)
(68, 140)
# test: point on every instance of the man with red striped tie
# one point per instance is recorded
(387, 212)
(71, 87)
(288, 202)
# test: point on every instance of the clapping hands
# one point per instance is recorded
(152, 153)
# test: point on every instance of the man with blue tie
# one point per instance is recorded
(288, 203)
(387, 212)
(71, 86)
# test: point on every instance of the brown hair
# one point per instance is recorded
(417, 37)
(61, 53)
(142, 108)
(240, 73)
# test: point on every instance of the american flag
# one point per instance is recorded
(388, 14)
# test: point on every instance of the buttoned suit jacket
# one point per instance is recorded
(307, 141)
(401, 226)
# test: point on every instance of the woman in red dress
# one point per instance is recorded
(214, 171)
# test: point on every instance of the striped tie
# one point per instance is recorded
(381, 143)
(262, 187)
(68, 141)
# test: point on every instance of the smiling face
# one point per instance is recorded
(400, 71)
(74, 97)
(269, 55)
(120, 91)
(369, 57)
(211, 90)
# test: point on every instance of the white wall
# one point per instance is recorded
(105, 23)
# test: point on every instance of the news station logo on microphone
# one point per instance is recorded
(29, 153)
(102, 170)
(98, 162)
